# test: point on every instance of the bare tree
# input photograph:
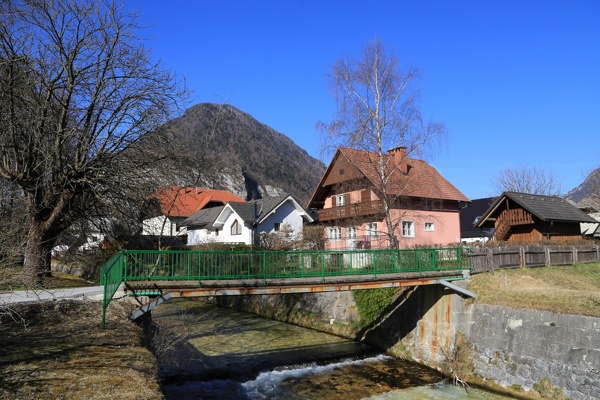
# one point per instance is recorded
(527, 179)
(78, 93)
(378, 110)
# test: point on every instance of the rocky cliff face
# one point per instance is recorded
(245, 156)
(589, 188)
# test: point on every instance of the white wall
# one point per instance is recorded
(286, 214)
(225, 235)
(154, 226)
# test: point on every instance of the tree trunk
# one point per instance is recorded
(38, 255)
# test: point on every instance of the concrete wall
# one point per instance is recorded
(512, 347)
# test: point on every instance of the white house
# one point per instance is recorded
(243, 222)
(170, 206)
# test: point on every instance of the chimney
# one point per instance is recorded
(399, 154)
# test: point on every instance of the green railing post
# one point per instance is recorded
(264, 255)
(375, 265)
(323, 266)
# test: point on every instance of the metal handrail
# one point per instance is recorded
(111, 276)
(201, 265)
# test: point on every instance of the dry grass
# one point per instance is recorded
(62, 353)
(13, 279)
(569, 290)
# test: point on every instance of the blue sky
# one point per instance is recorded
(515, 81)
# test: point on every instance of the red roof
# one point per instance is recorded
(177, 201)
(412, 177)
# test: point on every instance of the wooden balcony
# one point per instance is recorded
(352, 210)
(516, 216)
(508, 219)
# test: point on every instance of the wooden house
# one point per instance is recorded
(522, 217)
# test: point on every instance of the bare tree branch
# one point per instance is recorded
(78, 92)
(378, 110)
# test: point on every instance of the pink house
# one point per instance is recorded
(424, 208)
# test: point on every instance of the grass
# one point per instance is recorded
(571, 289)
(56, 350)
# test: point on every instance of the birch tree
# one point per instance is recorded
(79, 91)
(377, 109)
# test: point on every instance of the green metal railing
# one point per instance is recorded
(189, 265)
(111, 276)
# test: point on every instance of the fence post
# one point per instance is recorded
(522, 260)
(575, 255)
(547, 252)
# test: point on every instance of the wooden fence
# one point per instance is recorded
(489, 259)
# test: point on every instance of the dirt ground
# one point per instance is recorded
(57, 350)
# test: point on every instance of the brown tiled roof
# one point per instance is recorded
(176, 201)
(420, 180)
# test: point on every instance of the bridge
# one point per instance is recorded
(162, 274)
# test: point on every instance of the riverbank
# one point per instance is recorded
(57, 350)
(529, 354)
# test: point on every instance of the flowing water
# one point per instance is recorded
(208, 352)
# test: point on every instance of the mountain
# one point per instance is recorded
(589, 188)
(246, 156)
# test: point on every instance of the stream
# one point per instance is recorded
(207, 352)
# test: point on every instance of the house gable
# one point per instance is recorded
(527, 217)
(410, 178)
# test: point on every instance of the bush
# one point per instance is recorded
(371, 303)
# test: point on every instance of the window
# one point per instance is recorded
(429, 227)
(236, 228)
(371, 229)
(334, 233)
(340, 200)
(277, 226)
(408, 229)
(351, 232)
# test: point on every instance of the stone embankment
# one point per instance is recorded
(524, 347)
(519, 348)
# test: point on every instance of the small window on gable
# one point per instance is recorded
(342, 171)
(277, 226)
(429, 227)
(408, 229)
(236, 228)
